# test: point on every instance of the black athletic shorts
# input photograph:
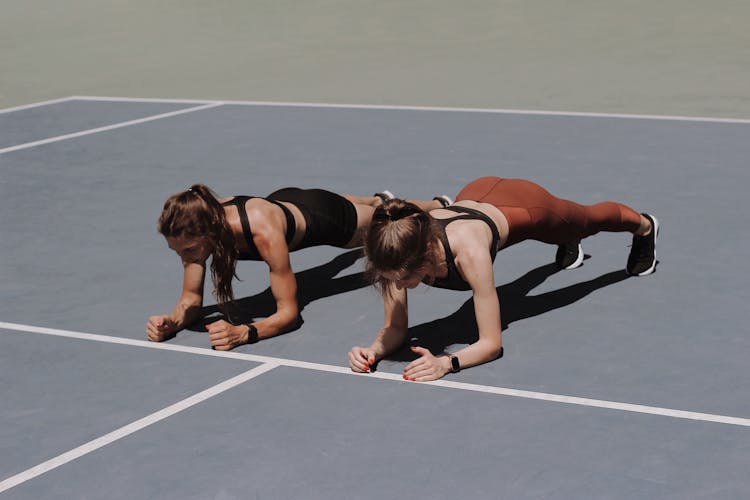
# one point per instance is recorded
(331, 219)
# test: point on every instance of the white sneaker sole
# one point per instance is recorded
(385, 195)
(578, 260)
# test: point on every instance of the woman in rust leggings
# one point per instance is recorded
(454, 247)
(533, 213)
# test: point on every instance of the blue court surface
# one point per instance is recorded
(611, 386)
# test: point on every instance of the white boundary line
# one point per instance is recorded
(144, 99)
(428, 108)
(37, 104)
(502, 391)
(132, 427)
(109, 127)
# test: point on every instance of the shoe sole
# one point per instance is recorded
(656, 235)
(385, 195)
(444, 200)
(579, 260)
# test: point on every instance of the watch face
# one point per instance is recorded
(252, 334)
(455, 365)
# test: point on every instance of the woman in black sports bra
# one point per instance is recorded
(197, 224)
(454, 247)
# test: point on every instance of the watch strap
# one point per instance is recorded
(252, 333)
(455, 364)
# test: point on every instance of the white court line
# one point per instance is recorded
(502, 391)
(128, 429)
(108, 127)
(142, 99)
(37, 104)
(429, 108)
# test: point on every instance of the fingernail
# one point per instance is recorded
(406, 378)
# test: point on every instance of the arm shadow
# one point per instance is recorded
(516, 304)
(312, 284)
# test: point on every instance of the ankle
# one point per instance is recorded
(645, 228)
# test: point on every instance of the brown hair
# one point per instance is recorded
(399, 238)
(197, 213)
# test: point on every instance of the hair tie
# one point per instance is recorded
(381, 215)
(403, 213)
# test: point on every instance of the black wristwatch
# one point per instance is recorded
(455, 365)
(252, 333)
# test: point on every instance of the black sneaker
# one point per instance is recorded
(569, 255)
(642, 258)
(444, 200)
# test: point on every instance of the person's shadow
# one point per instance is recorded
(312, 284)
(515, 304)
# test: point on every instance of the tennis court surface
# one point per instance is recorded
(610, 387)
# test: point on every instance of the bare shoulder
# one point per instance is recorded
(470, 241)
(260, 209)
(475, 265)
(491, 211)
(466, 234)
(266, 220)
(258, 212)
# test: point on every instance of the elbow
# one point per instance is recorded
(290, 319)
(494, 350)
(190, 304)
(190, 300)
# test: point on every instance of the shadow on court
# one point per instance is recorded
(515, 304)
(312, 284)
(459, 327)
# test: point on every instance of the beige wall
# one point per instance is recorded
(684, 57)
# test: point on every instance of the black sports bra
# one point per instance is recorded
(252, 253)
(453, 280)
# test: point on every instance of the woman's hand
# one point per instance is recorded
(361, 359)
(426, 367)
(225, 336)
(160, 328)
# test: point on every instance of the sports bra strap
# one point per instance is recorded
(239, 202)
(466, 213)
(291, 224)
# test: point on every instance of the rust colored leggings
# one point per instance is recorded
(535, 214)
